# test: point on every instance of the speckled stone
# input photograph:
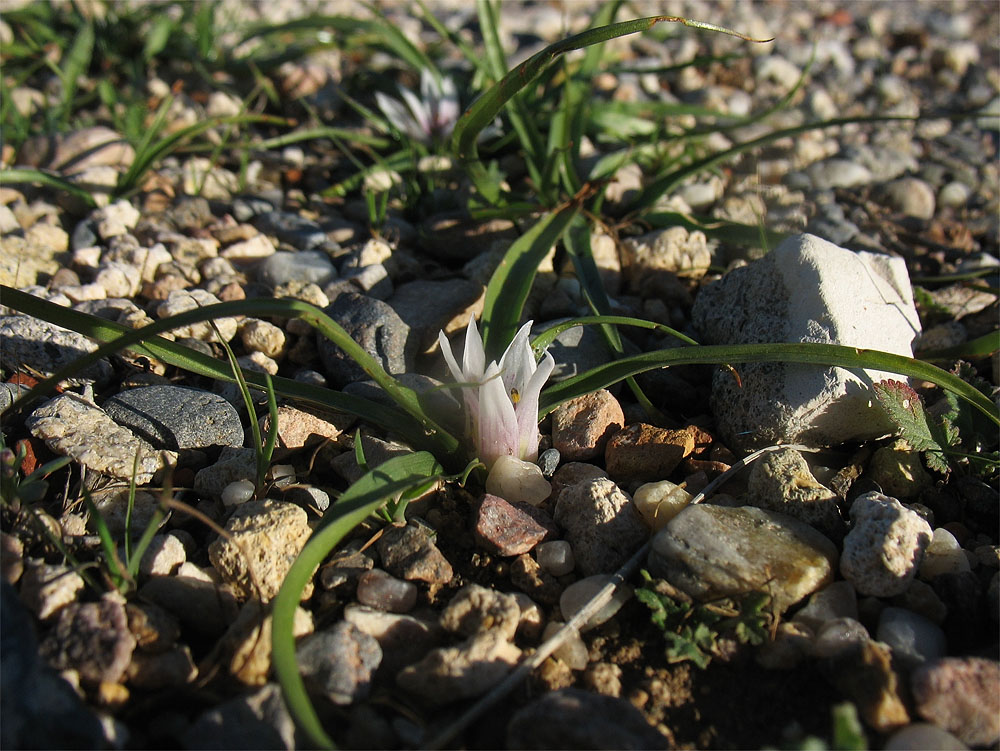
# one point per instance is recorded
(339, 662)
(782, 481)
(476, 609)
(46, 348)
(376, 327)
(960, 695)
(177, 417)
(93, 639)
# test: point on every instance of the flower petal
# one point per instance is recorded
(518, 362)
(527, 409)
(474, 357)
(449, 357)
(421, 114)
(498, 430)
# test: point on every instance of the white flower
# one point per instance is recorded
(428, 118)
(501, 400)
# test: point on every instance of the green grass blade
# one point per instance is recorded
(355, 504)
(665, 184)
(31, 176)
(77, 61)
(412, 423)
(733, 233)
(149, 154)
(116, 569)
(486, 107)
(982, 346)
(509, 286)
(826, 355)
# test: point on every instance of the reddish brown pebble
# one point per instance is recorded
(645, 452)
(232, 291)
(504, 529)
(582, 427)
(960, 695)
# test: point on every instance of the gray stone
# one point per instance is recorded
(796, 294)
(883, 550)
(196, 601)
(575, 350)
(913, 638)
(715, 551)
(39, 708)
(910, 196)
(409, 552)
(92, 638)
(10, 392)
(259, 720)
(602, 525)
(380, 590)
(430, 306)
(282, 267)
(233, 465)
(573, 718)
(339, 663)
(47, 588)
(289, 228)
(375, 326)
(177, 417)
(404, 638)
(960, 696)
(72, 426)
(44, 347)
(837, 600)
(838, 173)
(781, 481)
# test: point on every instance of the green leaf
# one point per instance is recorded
(511, 282)
(827, 355)
(848, 734)
(77, 61)
(355, 504)
(31, 176)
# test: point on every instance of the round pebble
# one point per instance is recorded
(377, 589)
(577, 595)
(556, 557)
(238, 492)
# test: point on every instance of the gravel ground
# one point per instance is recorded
(881, 569)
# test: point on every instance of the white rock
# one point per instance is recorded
(884, 547)
(183, 300)
(796, 293)
(116, 219)
(164, 554)
(262, 336)
(258, 246)
(577, 595)
(237, 492)
(118, 279)
(517, 481)
(573, 651)
(659, 502)
(943, 556)
(47, 588)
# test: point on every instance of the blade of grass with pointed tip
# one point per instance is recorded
(412, 423)
(354, 505)
(826, 355)
(982, 346)
(77, 61)
(715, 229)
(486, 107)
(31, 176)
(510, 284)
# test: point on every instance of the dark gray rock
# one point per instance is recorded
(575, 350)
(177, 417)
(375, 326)
(309, 266)
(260, 720)
(573, 718)
(39, 708)
(339, 663)
(409, 553)
(289, 228)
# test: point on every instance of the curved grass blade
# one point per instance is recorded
(412, 423)
(77, 62)
(649, 195)
(364, 497)
(486, 107)
(31, 176)
(147, 156)
(544, 339)
(509, 286)
(716, 229)
(827, 355)
(982, 346)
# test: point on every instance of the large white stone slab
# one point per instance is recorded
(806, 290)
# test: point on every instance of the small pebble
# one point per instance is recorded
(572, 651)
(382, 591)
(913, 638)
(943, 556)
(517, 481)
(556, 557)
(577, 595)
(238, 492)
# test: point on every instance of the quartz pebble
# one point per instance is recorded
(659, 502)
(912, 637)
(577, 595)
(238, 492)
(517, 481)
(382, 591)
(573, 651)
(556, 557)
(943, 556)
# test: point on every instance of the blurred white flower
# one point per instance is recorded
(501, 400)
(429, 118)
